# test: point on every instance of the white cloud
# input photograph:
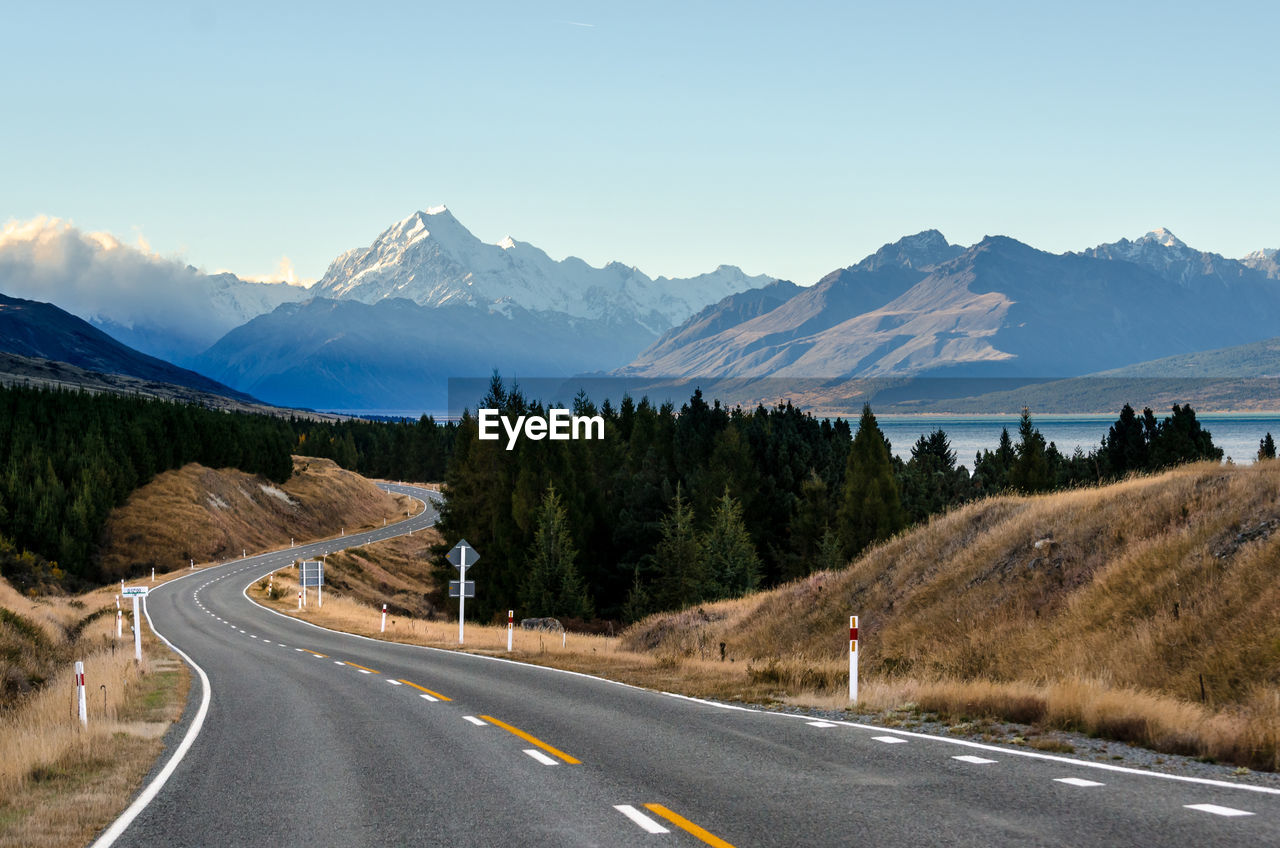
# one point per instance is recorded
(158, 304)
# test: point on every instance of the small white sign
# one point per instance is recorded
(134, 590)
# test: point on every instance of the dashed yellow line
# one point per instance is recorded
(425, 689)
(316, 653)
(688, 826)
(532, 740)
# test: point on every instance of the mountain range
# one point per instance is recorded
(389, 324)
(999, 308)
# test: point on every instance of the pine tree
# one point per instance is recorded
(872, 506)
(679, 561)
(1030, 471)
(731, 561)
(1267, 448)
(552, 586)
(1125, 445)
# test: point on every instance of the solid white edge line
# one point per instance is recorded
(539, 756)
(1051, 758)
(647, 824)
(122, 822)
(1015, 752)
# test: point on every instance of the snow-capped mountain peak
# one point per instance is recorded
(1164, 238)
(433, 259)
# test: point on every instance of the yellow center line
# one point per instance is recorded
(533, 740)
(425, 689)
(357, 665)
(686, 825)
(309, 651)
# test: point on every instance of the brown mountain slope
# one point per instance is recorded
(205, 514)
(1100, 609)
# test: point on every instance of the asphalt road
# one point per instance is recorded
(310, 737)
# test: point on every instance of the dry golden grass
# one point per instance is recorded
(396, 572)
(61, 783)
(208, 515)
(1136, 593)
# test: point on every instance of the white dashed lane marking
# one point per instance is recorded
(539, 756)
(646, 823)
(969, 758)
(820, 724)
(477, 722)
(1218, 811)
(1077, 781)
(890, 740)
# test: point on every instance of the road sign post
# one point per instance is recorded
(458, 557)
(311, 573)
(853, 658)
(137, 593)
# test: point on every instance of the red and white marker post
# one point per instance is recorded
(511, 618)
(299, 599)
(384, 619)
(84, 707)
(853, 658)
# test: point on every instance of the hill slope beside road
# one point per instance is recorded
(206, 514)
(1144, 611)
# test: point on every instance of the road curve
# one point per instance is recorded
(312, 737)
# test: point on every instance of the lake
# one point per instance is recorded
(1237, 433)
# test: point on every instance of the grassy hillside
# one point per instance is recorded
(1100, 610)
(206, 514)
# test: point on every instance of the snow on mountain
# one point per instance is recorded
(160, 306)
(434, 260)
(1265, 261)
(1166, 254)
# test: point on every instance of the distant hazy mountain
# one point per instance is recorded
(156, 305)
(997, 309)
(433, 260)
(396, 354)
(1266, 261)
(777, 330)
(32, 329)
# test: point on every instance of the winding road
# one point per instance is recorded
(297, 735)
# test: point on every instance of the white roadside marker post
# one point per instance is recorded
(299, 599)
(510, 626)
(193, 564)
(84, 708)
(853, 658)
(384, 619)
(119, 621)
(153, 575)
(137, 632)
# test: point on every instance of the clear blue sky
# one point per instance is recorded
(789, 139)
